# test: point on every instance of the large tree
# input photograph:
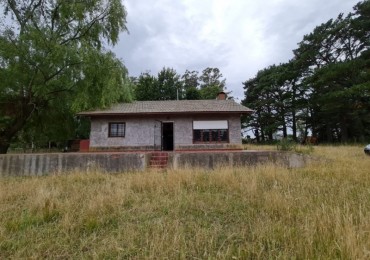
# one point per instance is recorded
(190, 79)
(336, 61)
(145, 87)
(52, 59)
(211, 83)
(166, 86)
(170, 86)
(324, 89)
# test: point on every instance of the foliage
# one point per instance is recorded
(192, 93)
(168, 85)
(324, 89)
(52, 61)
(145, 87)
(211, 83)
(286, 145)
(190, 79)
(262, 212)
(212, 77)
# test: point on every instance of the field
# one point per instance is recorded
(321, 211)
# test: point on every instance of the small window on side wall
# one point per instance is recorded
(116, 129)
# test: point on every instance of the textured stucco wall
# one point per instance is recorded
(140, 132)
(183, 131)
(136, 130)
(235, 130)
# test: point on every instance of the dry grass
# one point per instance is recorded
(254, 147)
(321, 211)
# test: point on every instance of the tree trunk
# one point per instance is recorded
(263, 139)
(294, 126)
(285, 131)
(294, 123)
(344, 130)
(4, 147)
(4, 143)
(271, 136)
(12, 128)
(329, 134)
(256, 133)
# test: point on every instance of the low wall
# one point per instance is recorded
(236, 159)
(205, 147)
(44, 164)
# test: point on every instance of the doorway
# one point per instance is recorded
(167, 136)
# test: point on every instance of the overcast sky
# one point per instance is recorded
(239, 37)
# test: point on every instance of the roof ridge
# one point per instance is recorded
(172, 107)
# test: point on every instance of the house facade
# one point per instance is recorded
(178, 125)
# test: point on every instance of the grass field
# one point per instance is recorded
(318, 212)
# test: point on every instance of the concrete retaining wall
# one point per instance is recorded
(236, 159)
(44, 164)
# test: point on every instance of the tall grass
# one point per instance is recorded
(321, 211)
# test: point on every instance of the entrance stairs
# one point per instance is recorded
(158, 160)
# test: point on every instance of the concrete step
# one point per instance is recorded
(158, 160)
(160, 154)
(158, 163)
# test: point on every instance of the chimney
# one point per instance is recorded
(221, 96)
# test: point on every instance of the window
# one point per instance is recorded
(211, 136)
(116, 130)
(210, 131)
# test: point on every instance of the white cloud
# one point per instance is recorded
(239, 37)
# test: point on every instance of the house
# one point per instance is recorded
(175, 125)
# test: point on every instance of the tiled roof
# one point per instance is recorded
(172, 106)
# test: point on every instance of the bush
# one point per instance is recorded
(286, 145)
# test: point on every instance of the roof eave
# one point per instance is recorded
(92, 114)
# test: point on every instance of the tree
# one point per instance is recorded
(192, 93)
(211, 83)
(261, 95)
(146, 87)
(212, 77)
(52, 59)
(166, 86)
(333, 56)
(190, 79)
(325, 88)
(169, 85)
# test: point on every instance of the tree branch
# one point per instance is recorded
(79, 34)
(13, 6)
(56, 73)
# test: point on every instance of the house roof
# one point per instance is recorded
(171, 107)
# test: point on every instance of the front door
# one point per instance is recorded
(167, 136)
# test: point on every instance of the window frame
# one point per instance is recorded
(210, 135)
(118, 132)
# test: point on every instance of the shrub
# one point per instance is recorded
(286, 144)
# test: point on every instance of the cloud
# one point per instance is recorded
(239, 37)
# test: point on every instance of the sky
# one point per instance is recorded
(240, 37)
